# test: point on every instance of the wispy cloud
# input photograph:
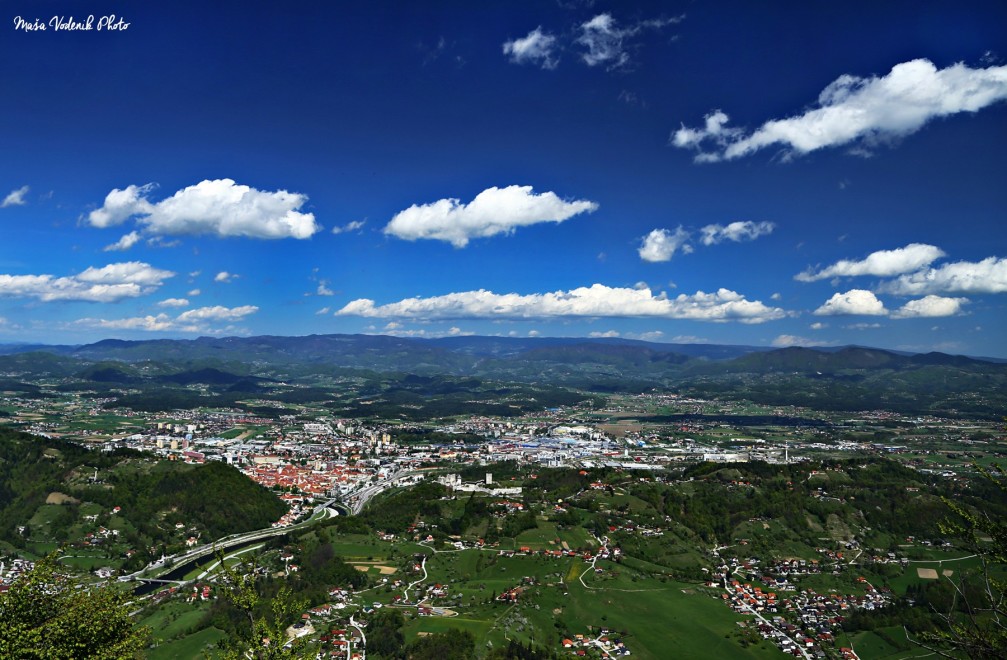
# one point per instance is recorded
(597, 301)
(349, 227)
(606, 43)
(736, 231)
(601, 41)
(537, 48)
(649, 335)
(856, 111)
(217, 313)
(173, 302)
(219, 208)
(397, 330)
(15, 198)
(493, 211)
(110, 283)
(788, 341)
(195, 320)
(124, 243)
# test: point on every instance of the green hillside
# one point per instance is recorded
(47, 490)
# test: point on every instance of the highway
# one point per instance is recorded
(357, 498)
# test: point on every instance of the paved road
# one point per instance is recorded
(362, 495)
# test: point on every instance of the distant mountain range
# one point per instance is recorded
(850, 377)
(317, 346)
(380, 350)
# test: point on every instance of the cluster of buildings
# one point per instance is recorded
(580, 645)
(802, 622)
(11, 570)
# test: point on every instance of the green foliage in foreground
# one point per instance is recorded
(46, 615)
(974, 619)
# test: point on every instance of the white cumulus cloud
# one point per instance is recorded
(493, 211)
(224, 277)
(930, 307)
(608, 334)
(736, 231)
(173, 302)
(120, 205)
(538, 48)
(15, 198)
(883, 263)
(858, 111)
(854, 301)
(597, 300)
(662, 244)
(986, 276)
(218, 207)
(109, 283)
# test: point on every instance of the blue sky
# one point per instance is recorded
(769, 174)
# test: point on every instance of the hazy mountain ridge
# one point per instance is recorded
(294, 370)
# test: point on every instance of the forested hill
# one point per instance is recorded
(47, 486)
